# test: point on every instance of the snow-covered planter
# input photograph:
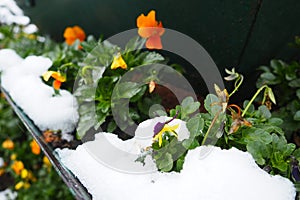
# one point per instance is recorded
(168, 157)
(107, 167)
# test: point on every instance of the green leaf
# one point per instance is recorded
(212, 104)
(268, 76)
(195, 125)
(298, 93)
(165, 163)
(139, 95)
(264, 112)
(87, 119)
(275, 121)
(188, 106)
(127, 90)
(277, 65)
(111, 126)
(295, 83)
(251, 108)
(279, 162)
(256, 134)
(135, 43)
(190, 143)
(296, 153)
(152, 57)
(264, 68)
(297, 116)
(255, 148)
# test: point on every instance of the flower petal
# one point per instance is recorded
(118, 62)
(46, 76)
(56, 84)
(59, 77)
(154, 42)
(147, 21)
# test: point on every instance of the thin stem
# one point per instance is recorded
(210, 127)
(236, 86)
(253, 98)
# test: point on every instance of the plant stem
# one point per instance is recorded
(253, 98)
(210, 127)
(236, 86)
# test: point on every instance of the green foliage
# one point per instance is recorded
(285, 80)
(107, 91)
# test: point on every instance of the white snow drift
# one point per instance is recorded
(109, 173)
(22, 79)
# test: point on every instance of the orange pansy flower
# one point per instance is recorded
(17, 166)
(150, 29)
(71, 34)
(8, 144)
(35, 148)
(59, 78)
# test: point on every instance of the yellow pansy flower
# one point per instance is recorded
(24, 173)
(46, 161)
(13, 156)
(19, 185)
(118, 62)
(59, 78)
(166, 128)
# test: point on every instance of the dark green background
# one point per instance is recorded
(236, 33)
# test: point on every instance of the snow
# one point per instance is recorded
(10, 13)
(22, 79)
(8, 194)
(107, 168)
(30, 28)
(1, 162)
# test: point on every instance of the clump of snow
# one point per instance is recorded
(30, 28)
(8, 194)
(107, 168)
(10, 13)
(1, 162)
(22, 79)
